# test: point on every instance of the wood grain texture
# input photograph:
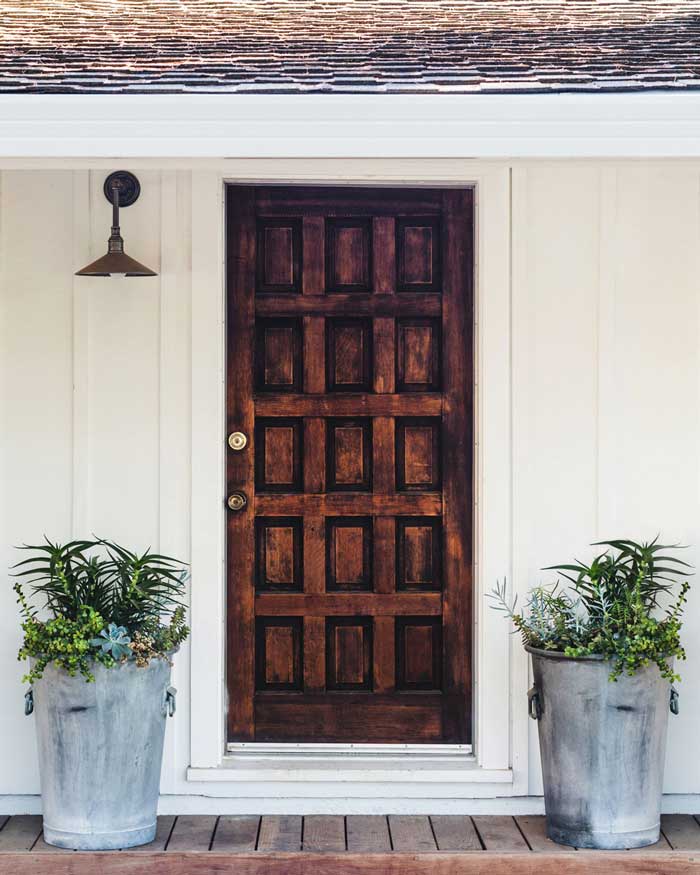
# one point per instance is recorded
(192, 832)
(280, 833)
(427, 504)
(372, 716)
(367, 833)
(351, 305)
(355, 305)
(455, 832)
(468, 863)
(240, 467)
(324, 833)
(20, 833)
(370, 604)
(341, 405)
(682, 831)
(411, 833)
(236, 834)
(457, 457)
(499, 833)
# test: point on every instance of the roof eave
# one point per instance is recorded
(628, 124)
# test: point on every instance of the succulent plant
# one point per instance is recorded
(115, 640)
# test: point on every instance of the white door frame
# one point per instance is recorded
(499, 762)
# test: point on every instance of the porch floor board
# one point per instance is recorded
(352, 845)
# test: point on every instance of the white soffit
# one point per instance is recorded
(644, 125)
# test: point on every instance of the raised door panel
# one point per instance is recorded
(349, 455)
(279, 561)
(279, 254)
(349, 355)
(278, 358)
(418, 250)
(348, 255)
(278, 455)
(349, 554)
(418, 355)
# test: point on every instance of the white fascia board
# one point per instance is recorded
(640, 124)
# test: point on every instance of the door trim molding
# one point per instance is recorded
(500, 666)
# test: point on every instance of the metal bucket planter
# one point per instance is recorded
(100, 752)
(602, 746)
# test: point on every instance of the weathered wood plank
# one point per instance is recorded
(367, 833)
(236, 834)
(43, 847)
(324, 833)
(164, 828)
(192, 832)
(468, 863)
(20, 832)
(280, 833)
(660, 846)
(455, 832)
(682, 831)
(534, 830)
(411, 833)
(499, 833)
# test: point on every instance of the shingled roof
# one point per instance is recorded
(299, 46)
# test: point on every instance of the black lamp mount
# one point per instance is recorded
(121, 189)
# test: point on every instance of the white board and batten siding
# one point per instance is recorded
(595, 266)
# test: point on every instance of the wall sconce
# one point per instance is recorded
(121, 189)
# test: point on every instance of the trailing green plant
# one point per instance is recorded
(100, 599)
(620, 606)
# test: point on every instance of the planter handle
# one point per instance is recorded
(674, 701)
(29, 702)
(534, 704)
(169, 701)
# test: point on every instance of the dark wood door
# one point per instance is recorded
(350, 372)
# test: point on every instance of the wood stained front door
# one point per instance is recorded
(350, 374)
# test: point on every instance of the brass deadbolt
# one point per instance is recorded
(237, 441)
(237, 501)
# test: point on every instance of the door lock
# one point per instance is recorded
(237, 441)
(237, 501)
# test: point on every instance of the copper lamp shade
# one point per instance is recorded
(121, 189)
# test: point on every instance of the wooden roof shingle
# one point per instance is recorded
(385, 46)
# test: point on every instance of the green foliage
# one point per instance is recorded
(620, 606)
(99, 596)
(126, 587)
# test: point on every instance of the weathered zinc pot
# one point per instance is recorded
(602, 746)
(100, 752)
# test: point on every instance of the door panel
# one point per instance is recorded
(350, 371)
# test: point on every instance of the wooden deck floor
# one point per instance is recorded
(352, 845)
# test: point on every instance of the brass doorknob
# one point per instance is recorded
(237, 441)
(237, 501)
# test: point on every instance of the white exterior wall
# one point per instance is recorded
(96, 397)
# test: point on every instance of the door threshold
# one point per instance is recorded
(309, 750)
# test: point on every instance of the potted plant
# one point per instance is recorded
(100, 647)
(603, 647)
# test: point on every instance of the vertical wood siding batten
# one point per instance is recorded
(207, 472)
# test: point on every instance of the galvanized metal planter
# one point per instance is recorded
(100, 752)
(602, 746)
